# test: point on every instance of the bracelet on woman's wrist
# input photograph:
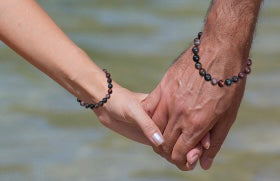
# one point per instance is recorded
(207, 76)
(105, 99)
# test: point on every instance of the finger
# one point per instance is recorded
(171, 134)
(151, 102)
(147, 125)
(160, 116)
(183, 145)
(218, 135)
(206, 141)
(194, 154)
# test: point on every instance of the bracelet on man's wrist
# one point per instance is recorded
(105, 99)
(207, 76)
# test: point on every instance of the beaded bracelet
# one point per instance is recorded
(105, 99)
(207, 76)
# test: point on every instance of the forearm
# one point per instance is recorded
(232, 23)
(227, 37)
(27, 29)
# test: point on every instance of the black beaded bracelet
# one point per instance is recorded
(105, 99)
(207, 76)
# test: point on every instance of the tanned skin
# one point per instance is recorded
(185, 106)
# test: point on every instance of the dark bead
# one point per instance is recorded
(109, 80)
(87, 105)
(247, 70)
(108, 75)
(91, 106)
(104, 100)
(199, 35)
(196, 58)
(195, 50)
(110, 86)
(96, 105)
(82, 103)
(249, 62)
(202, 72)
(241, 75)
(78, 100)
(207, 77)
(228, 82)
(100, 103)
(221, 83)
(198, 65)
(196, 42)
(110, 91)
(234, 79)
(214, 81)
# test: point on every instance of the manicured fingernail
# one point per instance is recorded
(207, 163)
(194, 159)
(157, 138)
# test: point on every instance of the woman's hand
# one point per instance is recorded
(124, 114)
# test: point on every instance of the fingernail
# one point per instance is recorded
(207, 145)
(157, 138)
(194, 159)
(207, 163)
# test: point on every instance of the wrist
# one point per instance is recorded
(84, 79)
(221, 60)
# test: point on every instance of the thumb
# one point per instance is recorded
(148, 126)
(151, 101)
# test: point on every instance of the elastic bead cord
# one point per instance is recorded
(105, 99)
(221, 83)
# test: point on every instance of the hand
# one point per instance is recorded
(124, 114)
(186, 107)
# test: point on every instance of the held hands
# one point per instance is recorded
(184, 108)
(187, 108)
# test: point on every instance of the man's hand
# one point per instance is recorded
(184, 105)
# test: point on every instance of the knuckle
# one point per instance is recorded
(198, 122)
(147, 108)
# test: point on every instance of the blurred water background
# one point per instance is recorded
(45, 135)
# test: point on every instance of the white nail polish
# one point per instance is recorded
(157, 138)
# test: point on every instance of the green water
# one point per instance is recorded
(45, 135)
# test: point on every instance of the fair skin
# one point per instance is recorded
(185, 106)
(27, 29)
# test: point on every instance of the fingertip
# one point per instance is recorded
(206, 141)
(157, 139)
(206, 163)
(194, 154)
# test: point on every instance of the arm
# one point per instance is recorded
(27, 29)
(185, 104)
